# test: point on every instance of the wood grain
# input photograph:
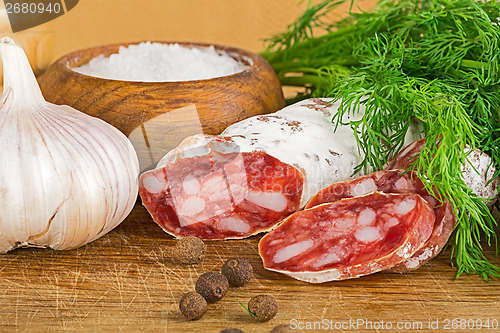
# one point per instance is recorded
(127, 281)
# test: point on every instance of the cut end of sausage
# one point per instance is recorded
(221, 194)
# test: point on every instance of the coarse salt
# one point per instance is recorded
(158, 62)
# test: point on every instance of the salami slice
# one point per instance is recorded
(348, 238)
(477, 172)
(397, 181)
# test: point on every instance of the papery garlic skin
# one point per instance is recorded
(66, 178)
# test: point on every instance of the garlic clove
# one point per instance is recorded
(66, 178)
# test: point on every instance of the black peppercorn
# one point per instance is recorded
(193, 305)
(237, 271)
(212, 286)
(264, 307)
(188, 250)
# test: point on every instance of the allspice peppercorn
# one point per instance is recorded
(188, 250)
(212, 286)
(264, 307)
(193, 305)
(237, 271)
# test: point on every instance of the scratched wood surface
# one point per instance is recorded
(126, 281)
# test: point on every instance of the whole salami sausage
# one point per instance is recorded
(348, 238)
(397, 181)
(253, 175)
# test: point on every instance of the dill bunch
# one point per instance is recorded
(434, 61)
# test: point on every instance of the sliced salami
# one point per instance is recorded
(253, 175)
(218, 193)
(397, 181)
(348, 238)
(477, 172)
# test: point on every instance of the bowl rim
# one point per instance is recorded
(253, 60)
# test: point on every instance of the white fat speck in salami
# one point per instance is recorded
(191, 185)
(391, 222)
(403, 185)
(316, 254)
(366, 216)
(292, 250)
(154, 183)
(234, 224)
(367, 234)
(343, 223)
(191, 206)
(405, 206)
(329, 258)
(365, 186)
(399, 181)
(270, 200)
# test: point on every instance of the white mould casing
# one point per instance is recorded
(478, 176)
(477, 172)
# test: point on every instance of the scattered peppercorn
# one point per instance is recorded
(282, 328)
(232, 330)
(212, 286)
(264, 307)
(193, 305)
(237, 271)
(188, 250)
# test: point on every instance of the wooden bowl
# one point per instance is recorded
(156, 116)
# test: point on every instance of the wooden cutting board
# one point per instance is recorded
(126, 281)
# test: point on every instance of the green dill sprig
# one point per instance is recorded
(434, 62)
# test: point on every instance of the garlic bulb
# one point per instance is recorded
(66, 178)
